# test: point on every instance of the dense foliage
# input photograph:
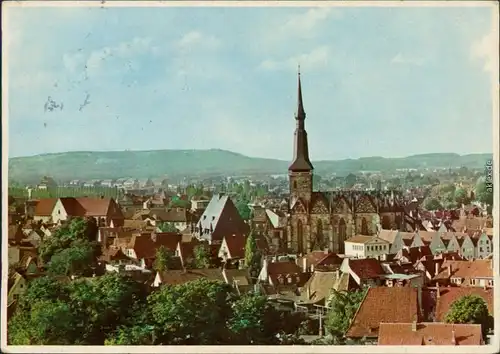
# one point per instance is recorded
(253, 257)
(114, 309)
(72, 249)
(470, 309)
(343, 306)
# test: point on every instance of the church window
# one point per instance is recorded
(300, 235)
(319, 235)
(342, 234)
(386, 223)
(364, 226)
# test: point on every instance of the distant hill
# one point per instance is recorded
(141, 164)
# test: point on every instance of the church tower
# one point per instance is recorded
(300, 171)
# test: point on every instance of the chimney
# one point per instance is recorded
(438, 291)
(312, 268)
(436, 268)
(449, 270)
(327, 251)
(414, 326)
(337, 273)
(304, 264)
(308, 293)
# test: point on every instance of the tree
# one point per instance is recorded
(47, 323)
(77, 229)
(167, 227)
(343, 306)
(179, 203)
(195, 312)
(202, 256)
(243, 209)
(253, 256)
(470, 309)
(254, 321)
(432, 204)
(162, 260)
(78, 259)
(42, 289)
(461, 197)
(484, 192)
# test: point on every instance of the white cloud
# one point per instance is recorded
(306, 24)
(196, 39)
(315, 59)
(402, 59)
(486, 49)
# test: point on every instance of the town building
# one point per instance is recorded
(320, 220)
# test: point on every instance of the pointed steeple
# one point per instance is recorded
(300, 104)
(301, 160)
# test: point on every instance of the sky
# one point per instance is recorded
(376, 81)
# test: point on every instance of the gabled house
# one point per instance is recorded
(437, 244)
(104, 210)
(477, 273)
(429, 268)
(417, 240)
(361, 246)
(185, 251)
(232, 247)
(236, 277)
(468, 249)
(219, 219)
(282, 273)
(484, 246)
(17, 286)
(319, 260)
(429, 333)
(454, 245)
(413, 254)
(43, 209)
(365, 272)
(384, 305)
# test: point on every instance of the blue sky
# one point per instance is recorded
(376, 81)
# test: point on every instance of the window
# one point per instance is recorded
(490, 282)
(473, 281)
(289, 280)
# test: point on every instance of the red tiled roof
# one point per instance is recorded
(143, 246)
(236, 245)
(44, 207)
(284, 269)
(384, 304)
(466, 270)
(330, 259)
(73, 207)
(175, 277)
(167, 239)
(429, 334)
(187, 249)
(449, 295)
(95, 206)
(368, 268)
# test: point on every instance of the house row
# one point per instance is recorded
(55, 210)
(472, 245)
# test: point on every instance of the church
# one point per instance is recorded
(324, 220)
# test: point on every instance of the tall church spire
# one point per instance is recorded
(301, 160)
